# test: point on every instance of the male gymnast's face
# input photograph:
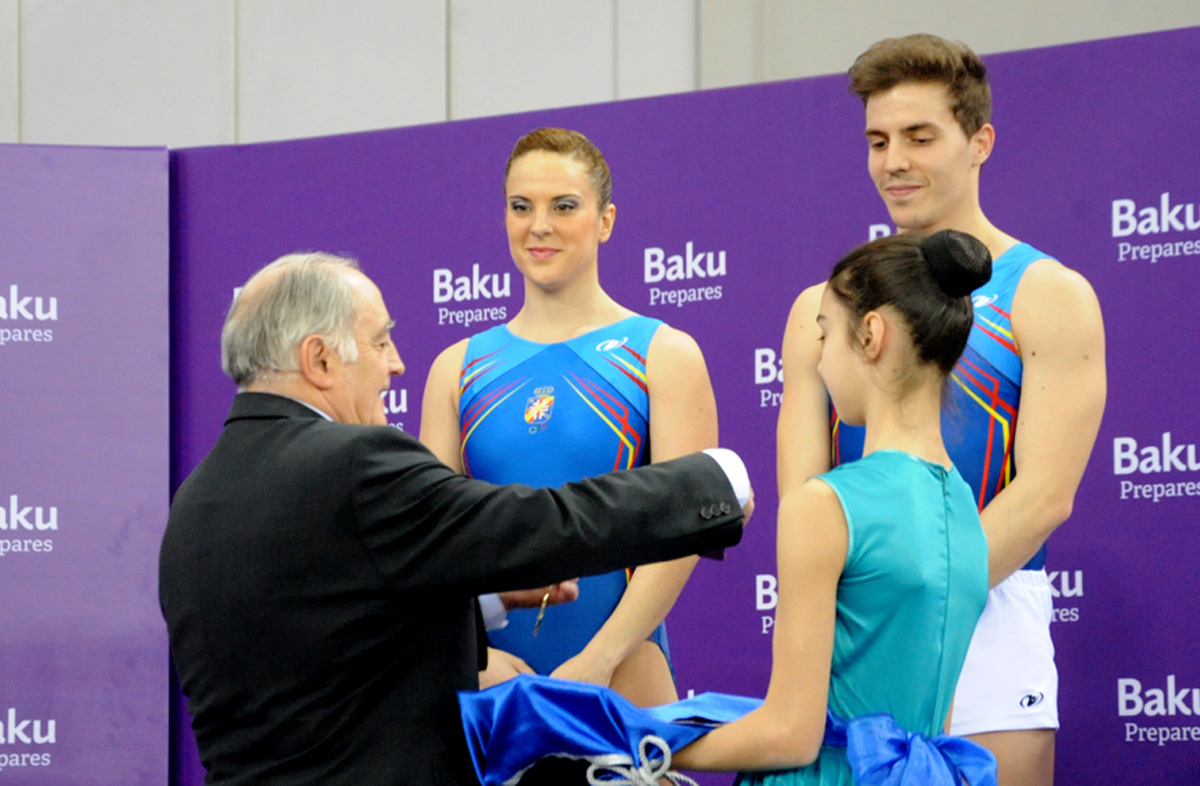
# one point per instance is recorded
(924, 166)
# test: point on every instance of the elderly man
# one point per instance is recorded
(318, 570)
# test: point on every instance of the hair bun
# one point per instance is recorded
(961, 263)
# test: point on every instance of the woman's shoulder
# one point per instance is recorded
(674, 357)
(484, 341)
(451, 356)
(667, 340)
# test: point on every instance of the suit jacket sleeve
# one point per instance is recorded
(428, 527)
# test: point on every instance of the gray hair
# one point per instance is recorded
(294, 297)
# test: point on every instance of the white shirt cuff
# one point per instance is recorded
(734, 470)
(495, 616)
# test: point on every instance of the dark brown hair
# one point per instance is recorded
(927, 58)
(928, 281)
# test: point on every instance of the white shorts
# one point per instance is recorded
(1009, 681)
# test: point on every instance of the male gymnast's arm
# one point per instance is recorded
(1059, 332)
(802, 433)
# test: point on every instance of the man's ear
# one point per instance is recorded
(873, 333)
(982, 143)
(318, 362)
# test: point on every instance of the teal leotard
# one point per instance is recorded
(913, 586)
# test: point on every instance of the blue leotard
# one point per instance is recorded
(548, 414)
(979, 423)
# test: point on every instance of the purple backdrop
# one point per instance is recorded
(83, 465)
(1096, 163)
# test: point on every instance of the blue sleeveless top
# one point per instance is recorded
(548, 414)
(979, 422)
(913, 586)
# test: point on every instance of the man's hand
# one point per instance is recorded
(502, 667)
(562, 592)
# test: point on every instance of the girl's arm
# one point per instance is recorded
(786, 731)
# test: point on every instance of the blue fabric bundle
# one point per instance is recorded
(511, 726)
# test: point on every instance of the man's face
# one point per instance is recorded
(924, 166)
(358, 390)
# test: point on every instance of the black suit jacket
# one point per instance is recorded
(318, 584)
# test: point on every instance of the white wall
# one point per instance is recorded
(185, 73)
(767, 40)
(126, 72)
(313, 67)
(10, 59)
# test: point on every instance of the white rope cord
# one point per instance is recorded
(648, 774)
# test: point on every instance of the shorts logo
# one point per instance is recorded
(539, 407)
(1030, 700)
(982, 301)
(611, 344)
